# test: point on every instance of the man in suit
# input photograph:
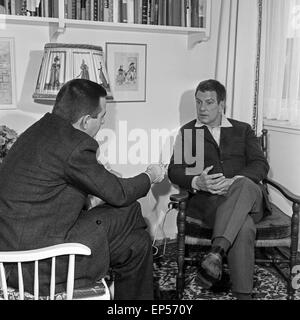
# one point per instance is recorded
(227, 194)
(45, 181)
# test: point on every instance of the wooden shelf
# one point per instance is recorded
(133, 27)
(194, 35)
(60, 25)
(26, 19)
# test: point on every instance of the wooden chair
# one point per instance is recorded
(99, 292)
(276, 231)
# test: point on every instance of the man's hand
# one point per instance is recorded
(209, 182)
(156, 172)
(222, 187)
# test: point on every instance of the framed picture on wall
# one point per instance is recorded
(7, 74)
(126, 68)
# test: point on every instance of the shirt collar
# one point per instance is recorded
(224, 123)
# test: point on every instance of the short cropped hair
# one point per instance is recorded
(77, 98)
(212, 85)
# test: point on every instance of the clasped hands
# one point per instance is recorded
(213, 183)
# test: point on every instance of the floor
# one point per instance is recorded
(268, 284)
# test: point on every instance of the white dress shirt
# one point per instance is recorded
(216, 131)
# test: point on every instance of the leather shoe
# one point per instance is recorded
(210, 269)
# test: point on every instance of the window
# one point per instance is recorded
(282, 61)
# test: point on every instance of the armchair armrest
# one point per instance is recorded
(179, 197)
(284, 191)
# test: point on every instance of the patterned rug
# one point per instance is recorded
(268, 284)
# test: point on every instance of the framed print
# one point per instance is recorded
(7, 74)
(126, 68)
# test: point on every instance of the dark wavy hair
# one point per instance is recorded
(78, 97)
(212, 85)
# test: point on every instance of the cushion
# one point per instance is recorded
(275, 226)
(83, 293)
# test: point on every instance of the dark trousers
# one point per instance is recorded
(130, 252)
(235, 220)
(233, 217)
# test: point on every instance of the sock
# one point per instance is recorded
(222, 243)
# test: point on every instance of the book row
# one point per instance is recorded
(185, 13)
(39, 8)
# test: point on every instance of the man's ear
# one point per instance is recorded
(85, 121)
(223, 105)
(82, 122)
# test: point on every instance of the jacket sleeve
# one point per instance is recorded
(257, 166)
(83, 171)
(177, 170)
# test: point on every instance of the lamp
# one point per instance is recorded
(64, 62)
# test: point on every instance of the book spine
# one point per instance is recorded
(165, 12)
(42, 8)
(136, 11)
(46, 8)
(169, 12)
(140, 11)
(78, 8)
(188, 13)
(115, 11)
(13, 7)
(176, 12)
(69, 9)
(202, 10)
(195, 13)
(124, 11)
(183, 13)
(130, 11)
(152, 12)
(120, 11)
(74, 9)
(83, 9)
(111, 11)
(50, 8)
(160, 12)
(88, 10)
(149, 12)
(144, 11)
(105, 10)
(92, 10)
(101, 4)
(6, 5)
(95, 12)
(38, 8)
(66, 9)
(55, 8)
(35, 7)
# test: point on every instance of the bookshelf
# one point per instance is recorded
(187, 17)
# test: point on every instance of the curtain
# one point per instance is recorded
(281, 95)
(237, 51)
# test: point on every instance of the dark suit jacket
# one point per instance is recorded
(45, 180)
(239, 153)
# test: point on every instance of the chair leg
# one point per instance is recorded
(294, 249)
(181, 250)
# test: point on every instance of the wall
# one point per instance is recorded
(284, 158)
(173, 70)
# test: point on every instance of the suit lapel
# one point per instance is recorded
(226, 137)
(209, 138)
